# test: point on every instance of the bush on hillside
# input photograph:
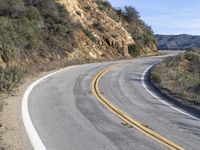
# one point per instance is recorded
(131, 14)
(11, 8)
(193, 55)
(10, 77)
(18, 33)
(8, 53)
(33, 14)
(134, 50)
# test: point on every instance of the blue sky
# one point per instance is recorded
(167, 16)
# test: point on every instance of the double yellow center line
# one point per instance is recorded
(124, 117)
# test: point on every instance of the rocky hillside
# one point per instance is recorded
(38, 35)
(177, 42)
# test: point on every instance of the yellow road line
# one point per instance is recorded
(123, 116)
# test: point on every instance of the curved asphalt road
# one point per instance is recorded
(68, 117)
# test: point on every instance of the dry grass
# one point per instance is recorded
(180, 75)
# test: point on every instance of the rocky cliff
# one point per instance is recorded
(107, 38)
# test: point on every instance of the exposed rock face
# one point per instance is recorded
(109, 38)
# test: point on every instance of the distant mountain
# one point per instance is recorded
(177, 42)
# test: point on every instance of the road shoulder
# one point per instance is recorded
(13, 134)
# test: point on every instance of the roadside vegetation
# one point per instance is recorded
(32, 33)
(180, 75)
(34, 36)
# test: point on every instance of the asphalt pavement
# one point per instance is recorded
(67, 116)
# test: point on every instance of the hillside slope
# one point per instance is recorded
(38, 35)
(177, 42)
(179, 75)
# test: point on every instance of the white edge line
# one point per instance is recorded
(163, 101)
(30, 129)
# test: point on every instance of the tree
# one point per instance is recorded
(131, 13)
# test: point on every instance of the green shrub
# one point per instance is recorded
(59, 29)
(134, 50)
(18, 33)
(174, 61)
(32, 14)
(10, 77)
(33, 2)
(155, 77)
(48, 8)
(104, 5)
(192, 56)
(28, 32)
(131, 14)
(11, 8)
(8, 53)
